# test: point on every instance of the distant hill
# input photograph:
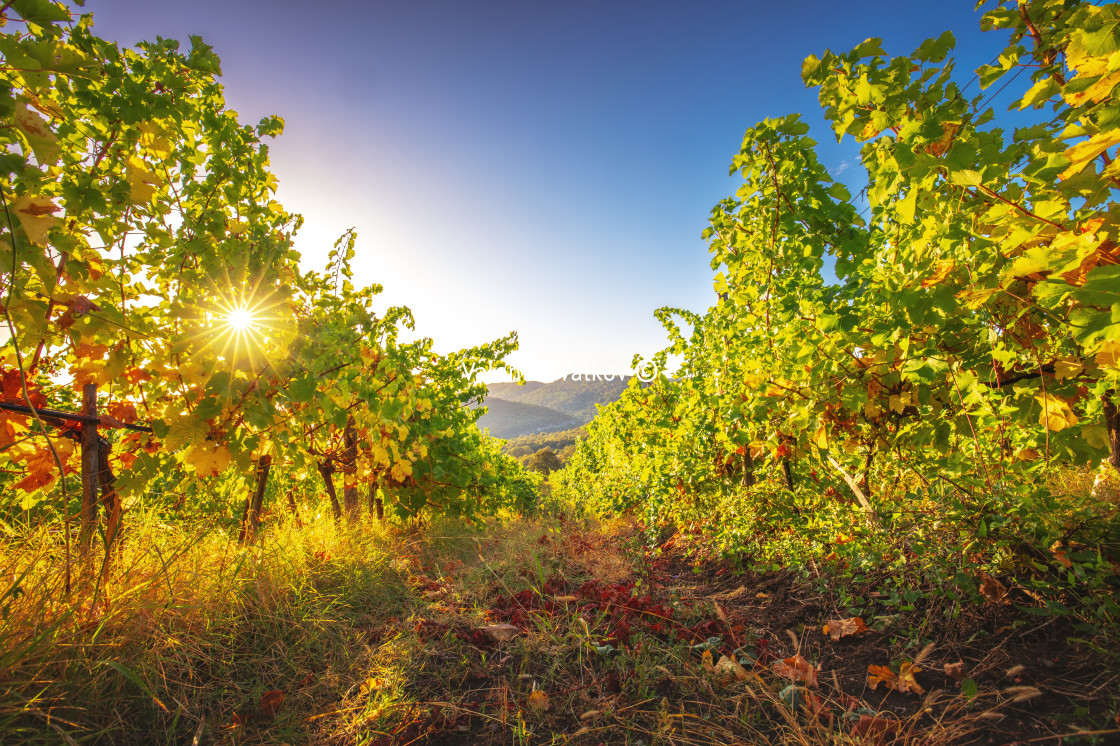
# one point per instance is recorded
(537, 407)
(510, 419)
(513, 391)
(575, 398)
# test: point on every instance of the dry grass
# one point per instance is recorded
(373, 637)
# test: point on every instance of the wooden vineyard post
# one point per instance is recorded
(350, 499)
(326, 470)
(1112, 425)
(252, 521)
(90, 468)
(376, 507)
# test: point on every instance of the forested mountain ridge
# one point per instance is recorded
(574, 397)
(510, 419)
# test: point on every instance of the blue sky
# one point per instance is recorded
(538, 166)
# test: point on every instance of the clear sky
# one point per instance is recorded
(541, 166)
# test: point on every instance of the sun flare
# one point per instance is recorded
(240, 319)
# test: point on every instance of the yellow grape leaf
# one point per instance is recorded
(1081, 154)
(903, 681)
(401, 471)
(208, 459)
(821, 437)
(1109, 354)
(837, 628)
(43, 142)
(142, 181)
(36, 215)
(1067, 367)
(153, 139)
(1056, 414)
(796, 668)
(940, 272)
(538, 700)
(380, 455)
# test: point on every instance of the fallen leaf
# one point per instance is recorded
(270, 703)
(903, 681)
(501, 632)
(875, 730)
(762, 595)
(955, 671)
(837, 628)
(538, 700)
(796, 668)
(991, 589)
(730, 668)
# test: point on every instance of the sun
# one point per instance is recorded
(240, 319)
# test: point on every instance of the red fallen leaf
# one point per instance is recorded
(270, 703)
(875, 731)
(795, 669)
(837, 628)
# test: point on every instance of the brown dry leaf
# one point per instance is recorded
(874, 730)
(763, 596)
(270, 703)
(729, 668)
(837, 628)
(796, 668)
(901, 682)
(1060, 555)
(991, 589)
(955, 671)
(501, 632)
(538, 700)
